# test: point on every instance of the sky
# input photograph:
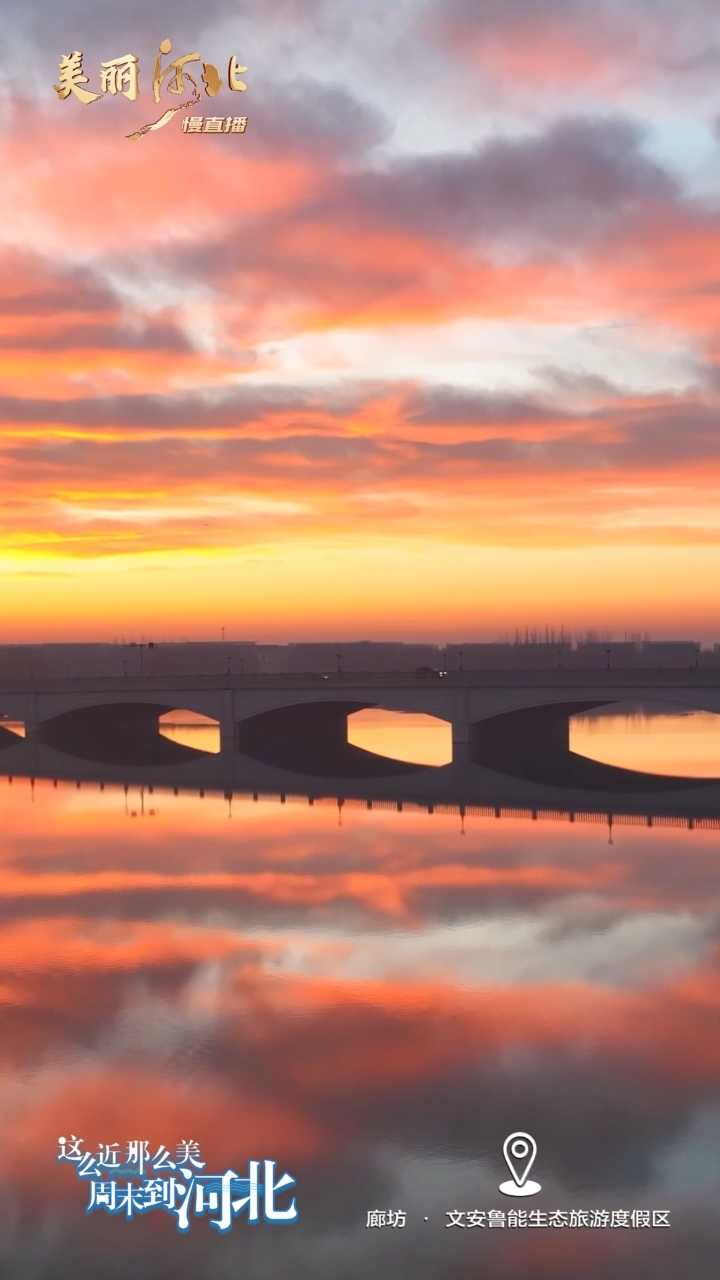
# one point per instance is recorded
(429, 352)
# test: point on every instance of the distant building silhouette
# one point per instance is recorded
(39, 661)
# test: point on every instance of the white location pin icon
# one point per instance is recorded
(520, 1150)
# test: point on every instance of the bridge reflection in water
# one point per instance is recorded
(462, 788)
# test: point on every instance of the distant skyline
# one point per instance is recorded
(431, 348)
(568, 638)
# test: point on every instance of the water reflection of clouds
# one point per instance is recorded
(524, 947)
(384, 870)
(379, 1006)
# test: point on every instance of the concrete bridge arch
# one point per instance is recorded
(492, 714)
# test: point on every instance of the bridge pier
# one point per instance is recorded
(30, 716)
(229, 730)
(461, 741)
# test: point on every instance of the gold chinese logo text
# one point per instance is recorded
(122, 76)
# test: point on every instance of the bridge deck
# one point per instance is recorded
(503, 677)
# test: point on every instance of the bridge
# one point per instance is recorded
(511, 724)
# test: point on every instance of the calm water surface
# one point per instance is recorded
(373, 999)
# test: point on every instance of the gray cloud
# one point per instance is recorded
(89, 24)
(48, 287)
(203, 408)
(152, 337)
(554, 194)
(453, 406)
(302, 116)
(598, 440)
(607, 25)
(574, 182)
